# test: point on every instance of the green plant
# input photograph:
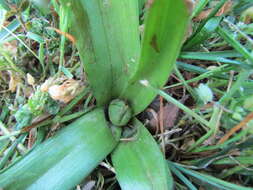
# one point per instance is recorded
(116, 60)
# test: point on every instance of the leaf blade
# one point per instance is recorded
(140, 164)
(165, 28)
(64, 160)
(108, 43)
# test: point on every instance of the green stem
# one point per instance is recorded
(11, 137)
(213, 124)
(64, 25)
(4, 137)
(189, 88)
(200, 77)
(10, 151)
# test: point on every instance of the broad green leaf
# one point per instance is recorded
(140, 164)
(64, 160)
(165, 27)
(107, 38)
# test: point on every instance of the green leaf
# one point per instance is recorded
(181, 177)
(23, 116)
(165, 27)
(12, 27)
(4, 5)
(140, 164)
(35, 37)
(231, 40)
(208, 29)
(64, 160)
(67, 72)
(107, 39)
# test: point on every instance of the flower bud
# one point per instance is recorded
(204, 93)
(119, 112)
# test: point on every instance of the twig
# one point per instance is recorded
(161, 124)
(248, 118)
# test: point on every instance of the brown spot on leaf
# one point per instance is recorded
(154, 44)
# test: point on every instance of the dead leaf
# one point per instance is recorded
(11, 47)
(65, 92)
(170, 113)
(187, 143)
(46, 85)
(190, 5)
(153, 119)
(204, 14)
(30, 79)
(15, 80)
(247, 15)
(32, 138)
(224, 9)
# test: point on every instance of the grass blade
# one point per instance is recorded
(233, 42)
(215, 182)
(12, 27)
(208, 29)
(181, 177)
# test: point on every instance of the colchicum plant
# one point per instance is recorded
(119, 61)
